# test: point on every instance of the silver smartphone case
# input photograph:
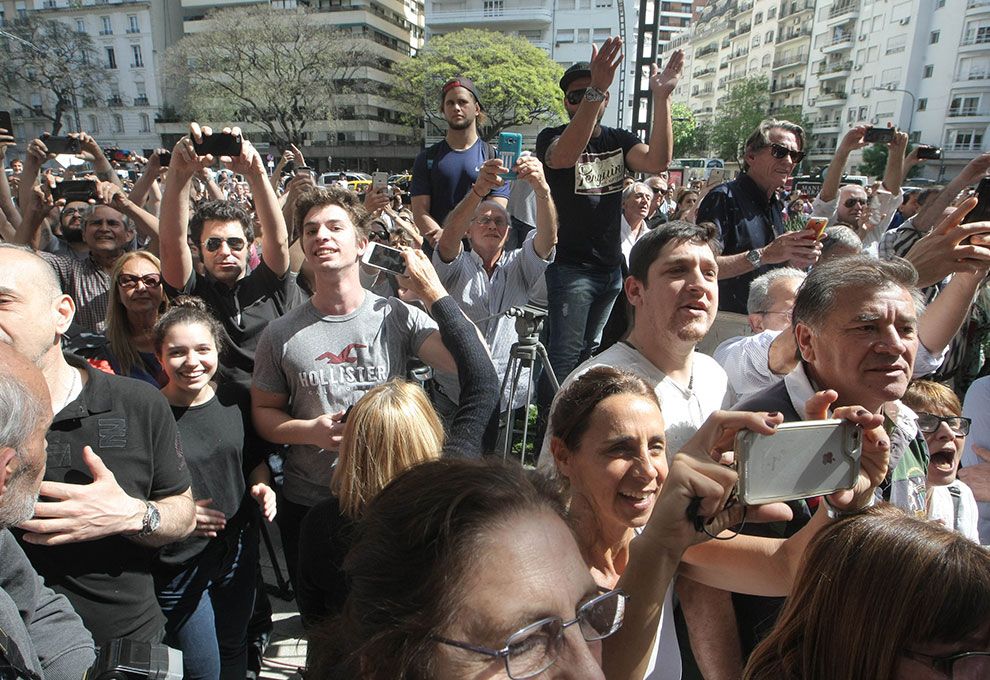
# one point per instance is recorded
(805, 459)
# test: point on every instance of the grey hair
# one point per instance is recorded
(761, 137)
(759, 288)
(50, 281)
(839, 236)
(20, 412)
(488, 203)
(631, 189)
(823, 287)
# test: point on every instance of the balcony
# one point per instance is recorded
(743, 7)
(790, 60)
(106, 31)
(968, 112)
(843, 11)
(978, 6)
(964, 148)
(736, 76)
(826, 126)
(972, 79)
(739, 53)
(794, 34)
(740, 30)
(707, 49)
(839, 69)
(705, 72)
(980, 36)
(508, 16)
(786, 86)
(844, 41)
(115, 100)
(141, 101)
(133, 29)
(796, 7)
(831, 98)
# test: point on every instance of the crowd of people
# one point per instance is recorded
(195, 353)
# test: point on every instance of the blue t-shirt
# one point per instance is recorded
(448, 175)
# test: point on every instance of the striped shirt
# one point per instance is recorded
(87, 284)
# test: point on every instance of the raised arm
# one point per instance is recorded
(146, 224)
(851, 141)
(7, 207)
(428, 227)
(531, 171)
(931, 213)
(91, 151)
(657, 156)
(458, 221)
(894, 172)
(142, 187)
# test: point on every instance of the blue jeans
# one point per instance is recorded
(580, 300)
(208, 602)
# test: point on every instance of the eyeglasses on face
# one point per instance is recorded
(131, 281)
(850, 202)
(960, 666)
(235, 243)
(574, 97)
(781, 151)
(485, 220)
(535, 648)
(929, 423)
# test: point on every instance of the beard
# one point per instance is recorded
(461, 125)
(20, 497)
(72, 234)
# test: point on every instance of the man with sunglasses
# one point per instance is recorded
(585, 165)
(244, 300)
(849, 204)
(749, 214)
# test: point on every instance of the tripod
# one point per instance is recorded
(524, 353)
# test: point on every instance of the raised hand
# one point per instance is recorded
(662, 83)
(604, 63)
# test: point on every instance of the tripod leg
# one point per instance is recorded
(545, 360)
(529, 400)
(515, 363)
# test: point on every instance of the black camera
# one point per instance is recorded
(124, 659)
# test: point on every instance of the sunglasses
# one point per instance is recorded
(781, 151)
(574, 97)
(850, 202)
(235, 243)
(929, 423)
(131, 281)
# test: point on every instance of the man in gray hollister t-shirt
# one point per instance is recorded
(317, 360)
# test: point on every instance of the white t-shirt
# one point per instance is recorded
(942, 508)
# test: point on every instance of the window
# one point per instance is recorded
(939, 4)
(145, 123)
(769, 37)
(132, 24)
(851, 115)
(923, 104)
(964, 140)
(492, 8)
(864, 112)
(927, 71)
(933, 37)
(565, 35)
(964, 106)
(80, 25)
(137, 60)
(758, 19)
(896, 44)
(118, 123)
(756, 41)
(106, 28)
(771, 13)
(601, 4)
(111, 58)
(94, 125)
(584, 35)
(601, 35)
(21, 9)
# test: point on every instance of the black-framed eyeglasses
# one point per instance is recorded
(533, 649)
(574, 97)
(929, 422)
(131, 281)
(781, 151)
(235, 243)
(960, 666)
(850, 202)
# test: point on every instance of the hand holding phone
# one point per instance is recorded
(379, 181)
(981, 213)
(218, 144)
(6, 123)
(817, 225)
(61, 145)
(509, 150)
(385, 258)
(928, 153)
(877, 135)
(75, 190)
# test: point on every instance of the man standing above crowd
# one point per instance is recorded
(244, 301)
(443, 174)
(750, 217)
(116, 486)
(586, 163)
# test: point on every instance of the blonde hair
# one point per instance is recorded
(931, 397)
(118, 327)
(390, 429)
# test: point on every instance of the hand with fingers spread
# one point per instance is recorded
(948, 247)
(186, 163)
(110, 194)
(662, 83)
(84, 512)
(209, 522)
(604, 63)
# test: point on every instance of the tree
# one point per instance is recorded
(278, 69)
(738, 115)
(685, 130)
(48, 56)
(517, 81)
(875, 160)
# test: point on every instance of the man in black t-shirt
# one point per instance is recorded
(116, 486)
(585, 164)
(244, 301)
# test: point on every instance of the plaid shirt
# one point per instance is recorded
(87, 284)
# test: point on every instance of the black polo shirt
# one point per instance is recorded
(746, 219)
(130, 427)
(244, 309)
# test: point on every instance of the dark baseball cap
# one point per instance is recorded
(459, 81)
(581, 69)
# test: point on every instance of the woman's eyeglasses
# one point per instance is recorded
(929, 423)
(131, 281)
(235, 243)
(781, 151)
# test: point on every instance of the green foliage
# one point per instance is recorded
(280, 70)
(874, 160)
(738, 115)
(517, 80)
(48, 57)
(685, 130)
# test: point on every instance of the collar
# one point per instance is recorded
(481, 265)
(95, 396)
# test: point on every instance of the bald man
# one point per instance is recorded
(116, 480)
(45, 635)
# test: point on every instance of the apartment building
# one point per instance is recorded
(129, 37)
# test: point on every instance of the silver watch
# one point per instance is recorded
(755, 258)
(152, 520)
(594, 95)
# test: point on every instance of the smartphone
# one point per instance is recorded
(817, 225)
(929, 153)
(164, 158)
(304, 170)
(716, 176)
(6, 123)
(981, 213)
(379, 181)
(75, 190)
(219, 144)
(57, 145)
(509, 150)
(800, 460)
(384, 257)
(876, 135)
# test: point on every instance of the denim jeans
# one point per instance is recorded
(208, 602)
(580, 301)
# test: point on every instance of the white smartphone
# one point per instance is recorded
(384, 257)
(801, 460)
(716, 176)
(379, 180)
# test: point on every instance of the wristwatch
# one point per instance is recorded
(594, 95)
(755, 258)
(152, 520)
(833, 512)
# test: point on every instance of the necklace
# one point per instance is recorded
(75, 387)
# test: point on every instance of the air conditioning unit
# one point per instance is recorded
(862, 37)
(905, 21)
(866, 93)
(858, 67)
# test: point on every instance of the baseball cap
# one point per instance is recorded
(460, 81)
(580, 69)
